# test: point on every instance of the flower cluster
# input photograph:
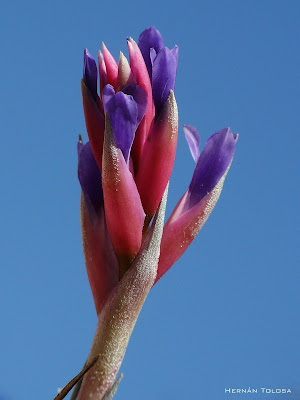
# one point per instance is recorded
(124, 169)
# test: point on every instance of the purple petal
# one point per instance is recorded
(140, 97)
(123, 113)
(163, 77)
(212, 164)
(193, 138)
(90, 73)
(107, 94)
(153, 55)
(89, 176)
(150, 39)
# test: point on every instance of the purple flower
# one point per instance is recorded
(194, 208)
(161, 64)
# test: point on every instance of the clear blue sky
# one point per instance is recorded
(227, 314)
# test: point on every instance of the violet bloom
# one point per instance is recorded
(124, 170)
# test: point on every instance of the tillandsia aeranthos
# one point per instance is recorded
(124, 170)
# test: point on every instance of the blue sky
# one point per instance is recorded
(227, 314)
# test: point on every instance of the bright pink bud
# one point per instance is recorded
(140, 73)
(123, 207)
(158, 157)
(95, 123)
(111, 67)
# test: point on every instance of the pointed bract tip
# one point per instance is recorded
(170, 106)
(80, 139)
(88, 59)
(171, 95)
(122, 57)
(86, 53)
(131, 42)
(104, 49)
(172, 110)
(123, 62)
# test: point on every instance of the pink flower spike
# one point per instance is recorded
(102, 72)
(140, 73)
(95, 123)
(125, 76)
(158, 157)
(123, 208)
(100, 260)
(111, 67)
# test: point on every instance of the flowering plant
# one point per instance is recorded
(124, 170)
